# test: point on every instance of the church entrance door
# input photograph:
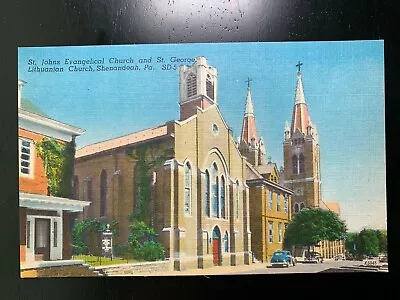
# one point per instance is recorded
(216, 244)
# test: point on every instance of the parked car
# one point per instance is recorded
(340, 257)
(313, 257)
(283, 258)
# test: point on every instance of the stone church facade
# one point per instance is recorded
(199, 197)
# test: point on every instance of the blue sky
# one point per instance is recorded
(343, 85)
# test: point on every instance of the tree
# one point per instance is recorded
(351, 242)
(310, 226)
(382, 237)
(368, 242)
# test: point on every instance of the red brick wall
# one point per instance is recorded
(37, 184)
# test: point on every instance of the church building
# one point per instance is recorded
(270, 202)
(301, 155)
(199, 200)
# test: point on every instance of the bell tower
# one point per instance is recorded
(301, 154)
(197, 87)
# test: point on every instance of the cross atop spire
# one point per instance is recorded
(299, 65)
(248, 82)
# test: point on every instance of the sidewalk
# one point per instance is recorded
(218, 270)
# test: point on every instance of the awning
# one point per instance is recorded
(35, 201)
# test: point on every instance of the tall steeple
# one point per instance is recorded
(250, 145)
(249, 130)
(301, 154)
(300, 116)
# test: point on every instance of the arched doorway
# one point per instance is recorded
(216, 246)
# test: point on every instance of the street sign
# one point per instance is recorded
(106, 243)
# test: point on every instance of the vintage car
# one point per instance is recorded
(312, 257)
(283, 258)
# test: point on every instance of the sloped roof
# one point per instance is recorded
(251, 172)
(267, 168)
(333, 206)
(33, 108)
(125, 140)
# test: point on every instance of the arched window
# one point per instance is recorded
(301, 164)
(237, 199)
(188, 189)
(226, 248)
(302, 206)
(75, 191)
(207, 194)
(296, 207)
(191, 85)
(222, 197)
(103, 193)
(214, 190)
(295, 164)
(209, 87)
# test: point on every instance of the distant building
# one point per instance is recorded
(199, 202)
(45, 219)
(269, 202)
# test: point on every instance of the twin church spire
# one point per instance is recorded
(249, 144)
(301, 121)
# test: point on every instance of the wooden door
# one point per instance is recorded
(215, 251)
(42, 238)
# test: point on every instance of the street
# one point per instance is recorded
(300, 268)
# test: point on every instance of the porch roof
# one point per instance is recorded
(36, 201)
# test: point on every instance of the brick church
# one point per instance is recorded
(302, 172)
(199, 196)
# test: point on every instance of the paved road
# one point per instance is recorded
(258, 268)
(300, 268)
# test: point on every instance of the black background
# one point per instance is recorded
(106, 22)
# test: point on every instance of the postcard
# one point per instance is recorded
(193, 159)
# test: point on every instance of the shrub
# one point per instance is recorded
(149, 251)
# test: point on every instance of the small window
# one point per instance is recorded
(191, 84)
(280, 232)
(301, 164)
(55, 234)
(270, 200)
(28, 234)
(302, 206)
(296, 207)
(209, 87)
(286, 204)
(207, 194)
(271, 232)
(215, 129)
(222, 197)
(188, 189)
(278, 202)
(226, 248)
(237, 199)
(25, 157)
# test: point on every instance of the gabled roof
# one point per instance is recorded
(251, 172)
(33, 108)
(267, 168)
(130, 139)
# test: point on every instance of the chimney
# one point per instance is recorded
(20, 84)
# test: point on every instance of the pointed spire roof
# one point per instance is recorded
(287, 128)
(249, 110)
(300, 116)
(249, 130)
